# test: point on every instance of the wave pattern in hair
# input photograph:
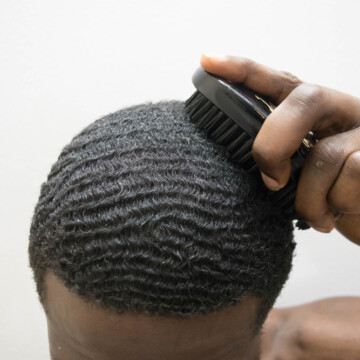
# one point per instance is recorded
(143, 213)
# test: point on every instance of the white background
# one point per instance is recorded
(65, 63)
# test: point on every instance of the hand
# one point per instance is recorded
(325, 329)
(328, 192)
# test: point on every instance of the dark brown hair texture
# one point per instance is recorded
(142, 213)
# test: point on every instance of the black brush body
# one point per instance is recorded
(232, 115)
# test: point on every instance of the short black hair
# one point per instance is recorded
(143, 213)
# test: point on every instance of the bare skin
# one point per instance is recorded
(322, 330)
(328, 193)
(81, 331)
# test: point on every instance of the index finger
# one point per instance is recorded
(260, 78)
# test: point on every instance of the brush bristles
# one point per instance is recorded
(226, 132)
(220, 128)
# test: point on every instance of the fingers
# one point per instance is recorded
(330, 176)
(262, 79)
(283, 131)
(349, 226)
(325, 181)
(308, 107)
(345, 194)
(303, 108)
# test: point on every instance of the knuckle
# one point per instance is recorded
(308, 94)
(265, 154)
(291, 78)
(346, 197)
(326, 154)
(352, 165)
(308, 212)
(243, 61)
(342, 204)
(248, 62)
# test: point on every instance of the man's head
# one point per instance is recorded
(148, 243)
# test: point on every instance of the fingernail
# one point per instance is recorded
(326, 224)
(270, 182)
(321, 229)
(214, 56)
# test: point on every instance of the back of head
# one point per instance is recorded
(143, 213)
